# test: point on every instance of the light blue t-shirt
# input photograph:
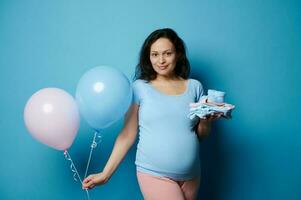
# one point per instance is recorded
(167, 144)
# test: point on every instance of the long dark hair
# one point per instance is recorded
(144, 69)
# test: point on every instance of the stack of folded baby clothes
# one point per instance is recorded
(211, 104)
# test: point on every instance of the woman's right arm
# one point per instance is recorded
(123, 143)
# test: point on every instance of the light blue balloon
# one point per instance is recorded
(103, 95)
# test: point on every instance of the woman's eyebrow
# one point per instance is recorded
(162, 51)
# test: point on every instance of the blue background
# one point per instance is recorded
(249, 49)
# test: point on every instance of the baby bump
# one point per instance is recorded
(174, 155)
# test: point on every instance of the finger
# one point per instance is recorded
(86, 180)
(208, 116)
(91, 186)
(217, 117)
(88, 185)
(211, 116)
(85, 185)
(89, 178)
(89, 181)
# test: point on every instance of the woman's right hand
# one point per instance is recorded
(94, 179)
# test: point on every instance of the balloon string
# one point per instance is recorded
(96, 140)
(74, 170)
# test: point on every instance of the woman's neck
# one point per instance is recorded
(161, 78)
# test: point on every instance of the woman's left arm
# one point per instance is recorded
(204, 126)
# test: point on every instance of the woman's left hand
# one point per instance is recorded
(213, 117)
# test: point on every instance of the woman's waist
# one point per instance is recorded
(166, 174)
(180, 158)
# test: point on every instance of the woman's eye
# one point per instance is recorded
(168, 53)
(154, 54)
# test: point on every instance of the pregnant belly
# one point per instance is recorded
(176, 155)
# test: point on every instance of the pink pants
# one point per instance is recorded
(162, 188)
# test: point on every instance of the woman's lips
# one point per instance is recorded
(162, 67)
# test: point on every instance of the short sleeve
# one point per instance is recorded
(136, 86)
(199, 91)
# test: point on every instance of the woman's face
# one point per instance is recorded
(163, 57)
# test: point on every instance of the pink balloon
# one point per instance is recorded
(52, 117)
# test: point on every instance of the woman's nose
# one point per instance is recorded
(161, 59)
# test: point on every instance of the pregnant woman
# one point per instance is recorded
(167, 158)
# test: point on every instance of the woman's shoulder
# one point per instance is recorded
(139, 83)
(195, 82)
(197, 88)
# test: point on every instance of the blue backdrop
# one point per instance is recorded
(249, 49)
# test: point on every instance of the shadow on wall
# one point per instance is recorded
(213, 163)
(213, 166)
